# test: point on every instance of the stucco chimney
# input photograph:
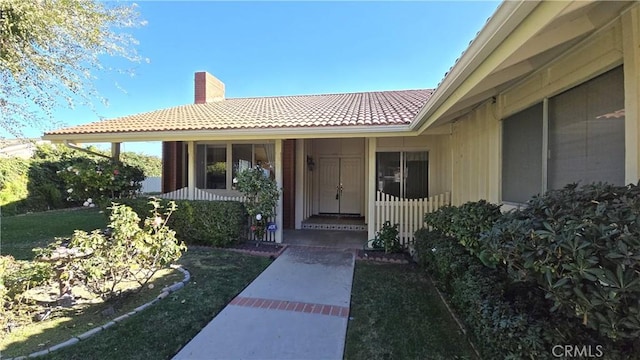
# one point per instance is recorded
(208, 88)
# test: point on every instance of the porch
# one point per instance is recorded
(328, 184)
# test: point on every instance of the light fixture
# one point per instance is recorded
(310, 163)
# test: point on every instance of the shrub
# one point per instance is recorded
(582, 246)
(387, 238)
(505, 320)
(442, 256)
(100, 180)
(466, 223)
(13, 183)
(262, 197)
(126, 252)
(213, 223)
(16, 277)
(57, 177)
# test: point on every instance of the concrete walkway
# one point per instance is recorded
(298, 308)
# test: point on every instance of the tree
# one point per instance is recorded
(49, 51)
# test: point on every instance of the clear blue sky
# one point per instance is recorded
(284, 48)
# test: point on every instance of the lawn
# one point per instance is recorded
(159, 331)
(20, 233)
(396, 313)
(156, 333)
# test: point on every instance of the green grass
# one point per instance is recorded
(396, 313)
(20, 233)
(161, 330)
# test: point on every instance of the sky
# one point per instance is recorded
(270, 48)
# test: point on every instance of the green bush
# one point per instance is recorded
(16, 277)
(387, 238)
(506, 320)
(57, 177)
(262, 196)
(213, 223)
(573, 256)
(13, 184)
(100, 180)
(127, 252)
(466, 223)
(582, 246)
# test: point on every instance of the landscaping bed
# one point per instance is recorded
(558, 276)
(159, 331)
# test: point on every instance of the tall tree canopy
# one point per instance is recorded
(50, 51)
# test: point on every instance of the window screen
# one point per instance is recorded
(522, 155)
(586, 132)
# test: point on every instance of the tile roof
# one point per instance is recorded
(311, 111)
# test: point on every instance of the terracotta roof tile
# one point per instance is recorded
(365, 108)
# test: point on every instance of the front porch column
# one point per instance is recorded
(191, 169)
(301, 169)
(371, 193)
(279, 177)
(631, 50)
(115, 151)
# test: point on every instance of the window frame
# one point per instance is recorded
(229, 167)
(402, 192)
(546, 133)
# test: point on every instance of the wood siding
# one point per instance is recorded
(476, 157)
(476, 139)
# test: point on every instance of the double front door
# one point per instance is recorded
(341, 185)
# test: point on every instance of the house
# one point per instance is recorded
(546, 94)
(22, 148)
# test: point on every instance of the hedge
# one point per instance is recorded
(505, 320)
(573, 254)
(212, 223)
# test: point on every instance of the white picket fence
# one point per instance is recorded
(183, 194)
(407, 213)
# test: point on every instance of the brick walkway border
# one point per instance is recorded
(294, 306)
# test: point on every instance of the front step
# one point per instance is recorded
(334, 226)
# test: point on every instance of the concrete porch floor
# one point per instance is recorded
(325, 238)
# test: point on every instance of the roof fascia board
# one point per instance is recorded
(508, 27)
(242, 134)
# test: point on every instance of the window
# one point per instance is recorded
(586, 132)
(403, 174)
(242, 157)
(585, 144)
(213, 169)
(522, 155)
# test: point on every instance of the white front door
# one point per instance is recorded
(340, 185)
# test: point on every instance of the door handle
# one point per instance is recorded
(338, 191)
